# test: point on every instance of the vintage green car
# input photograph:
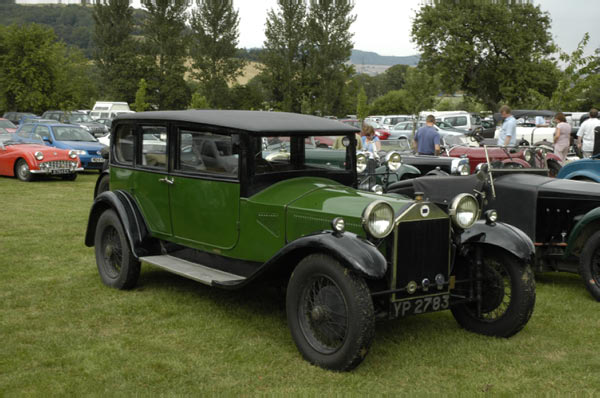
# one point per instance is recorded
(220, 206)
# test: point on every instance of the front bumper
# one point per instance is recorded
(57, 167)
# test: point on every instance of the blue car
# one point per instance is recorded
(583, 170)
(65, 136)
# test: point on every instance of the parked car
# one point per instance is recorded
(405, 129)
(528, 134)
(389, 121)
(80, 119)
(65, 136)
(582, 170)
(352, 122)
(560, 216)
(14, 117)
(25, 161)
(463, 120)
(7, 125)
(349, 256)
(109, 109)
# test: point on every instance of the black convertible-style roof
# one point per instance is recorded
(250, 121)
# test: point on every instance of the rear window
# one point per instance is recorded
(123, 145)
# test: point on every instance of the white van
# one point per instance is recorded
(458, 119)
(108, 109)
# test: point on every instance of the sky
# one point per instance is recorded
(383, 26)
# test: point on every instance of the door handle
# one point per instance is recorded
(166, 180)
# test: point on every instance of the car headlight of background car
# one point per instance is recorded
(39, 156)
(393, 160)
(79, 152)
(464, 210)
(361, 162)
(378, 219)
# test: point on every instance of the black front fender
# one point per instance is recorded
(126, 208)
(504, 236)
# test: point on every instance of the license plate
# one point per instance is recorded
(60, 171)
(420, 305)
(97, 160)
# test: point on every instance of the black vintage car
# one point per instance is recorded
(562, 217)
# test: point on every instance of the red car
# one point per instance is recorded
(7, 125)
(25, 161)
(521, 157)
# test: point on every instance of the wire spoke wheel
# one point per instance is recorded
(22, 170)
(323, 315)
(112, 251)
(589, 265)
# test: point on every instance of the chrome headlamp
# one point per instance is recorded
(338, 224)
(460, 167)
(527, 154)
(378, 219)
(393, 160)
(491, 216)
(39, 156)
(361, 162)
(464, 210)
(72, 154)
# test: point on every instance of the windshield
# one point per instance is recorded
(7, 124)
(80, 118)
(453, 140)
(64, 133)
(402, 144)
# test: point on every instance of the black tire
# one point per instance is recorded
(553, 168)
(508, 296)
(117, 266)
(330, 313)
(103, 184)
(589, 265)
(22, 171)
(70, 177)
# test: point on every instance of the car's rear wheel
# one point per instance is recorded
(330, 313)
(589, 265)
(117, 265)
(508, 295)
(22, 171)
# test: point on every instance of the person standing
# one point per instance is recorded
(562, 136)
(427, 138)
(508, 132)
(585, 134)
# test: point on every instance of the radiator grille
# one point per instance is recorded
(422, 252)
(57, 164)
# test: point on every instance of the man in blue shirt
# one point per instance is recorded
(508, 133)
(427, 139)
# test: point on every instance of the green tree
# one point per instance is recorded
(330, 44)
(166, 47)
(362, 109)
(420, 90)
(214, 48)
(394, 77)
(497, 59)
(38, 73)
(198, 101)
(140, 104)
(393, 102)
(284, 55)
(114, 51)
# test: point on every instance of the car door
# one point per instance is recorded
(205, 188)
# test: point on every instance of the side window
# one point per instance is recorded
(154, 147)
(26, 130)
(457, 121)
(123, 144)
(207, 153)
(41, 132)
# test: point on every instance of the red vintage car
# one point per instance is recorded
(540, 156)
(25, 161)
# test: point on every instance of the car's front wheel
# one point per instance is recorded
(330, 313)
(22, 171)
(507, 294)
(117, 265)
(589, 265)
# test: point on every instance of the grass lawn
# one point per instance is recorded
(63, 332)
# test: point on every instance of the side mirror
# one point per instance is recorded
(47, 139)
(99, 134)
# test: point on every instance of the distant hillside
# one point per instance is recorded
(359, 57)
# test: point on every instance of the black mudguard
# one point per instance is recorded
(504, 236)
(349, 249)
(126, 208)
(102, 174)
